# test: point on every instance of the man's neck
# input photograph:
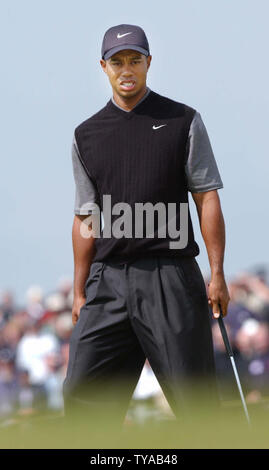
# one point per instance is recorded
(129, 103)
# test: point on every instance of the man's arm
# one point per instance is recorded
(83, 247)
(83, 251)
(213, 231)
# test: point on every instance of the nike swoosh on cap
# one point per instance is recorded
(121, 35)
(158, 127)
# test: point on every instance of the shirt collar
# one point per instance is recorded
(142, 99)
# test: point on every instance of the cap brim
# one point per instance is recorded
(113, 51)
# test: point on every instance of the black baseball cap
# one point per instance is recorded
(124, 36)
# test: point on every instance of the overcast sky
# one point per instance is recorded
(210, 55)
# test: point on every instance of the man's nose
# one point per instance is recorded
(127, 70)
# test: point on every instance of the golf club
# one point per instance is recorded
(230, 353)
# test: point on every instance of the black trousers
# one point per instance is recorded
(154, 308)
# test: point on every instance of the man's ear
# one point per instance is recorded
(149, 61)
(103, 65)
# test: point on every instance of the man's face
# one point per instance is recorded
(127, 72)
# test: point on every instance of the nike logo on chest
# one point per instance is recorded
(158, 127)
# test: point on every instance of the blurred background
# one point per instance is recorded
(210, 55)
(34, 347)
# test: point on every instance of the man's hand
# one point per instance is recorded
(218, 294)
(77, 304)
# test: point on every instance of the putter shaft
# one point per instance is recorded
(230, 353)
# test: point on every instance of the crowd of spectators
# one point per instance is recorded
(247, 324)
(34, 346)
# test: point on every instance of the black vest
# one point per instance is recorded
(139, 157)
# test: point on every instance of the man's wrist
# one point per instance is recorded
(79, 295)
(217, 272)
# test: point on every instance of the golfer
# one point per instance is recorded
(138, 289)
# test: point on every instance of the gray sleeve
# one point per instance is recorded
(200, 167)
(85, 197)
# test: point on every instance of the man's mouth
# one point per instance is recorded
(127, 85)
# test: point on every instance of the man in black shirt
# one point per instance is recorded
(138, 295)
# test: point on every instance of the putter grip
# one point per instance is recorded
(224, 335)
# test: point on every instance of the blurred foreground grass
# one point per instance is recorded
(145, 427)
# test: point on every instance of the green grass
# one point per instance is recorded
(146, 429)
